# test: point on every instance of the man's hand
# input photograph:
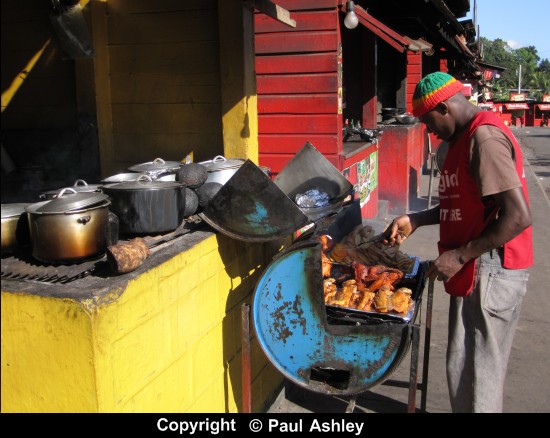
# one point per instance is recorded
(445, 266)
(400, 228)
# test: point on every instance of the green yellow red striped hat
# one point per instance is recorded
(432, 90)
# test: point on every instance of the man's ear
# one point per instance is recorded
(443, 108)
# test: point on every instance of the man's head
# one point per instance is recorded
(439, 103)
(432, 90)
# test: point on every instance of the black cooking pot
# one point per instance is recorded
(146, 206)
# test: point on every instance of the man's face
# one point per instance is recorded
(440, 122)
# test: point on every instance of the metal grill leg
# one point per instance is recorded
(411, 408)
(246, 375)
(351, 405)
(427, 340)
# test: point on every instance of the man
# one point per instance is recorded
(485, 244)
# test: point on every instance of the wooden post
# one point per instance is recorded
(238, 80)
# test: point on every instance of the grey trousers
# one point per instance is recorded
(481, 331)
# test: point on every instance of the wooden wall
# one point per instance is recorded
(164, 93)
(297, 82)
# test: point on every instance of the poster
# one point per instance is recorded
(364, 177)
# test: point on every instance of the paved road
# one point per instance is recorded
(527, 387)
(536, 148)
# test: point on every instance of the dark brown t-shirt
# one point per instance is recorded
(492, 161)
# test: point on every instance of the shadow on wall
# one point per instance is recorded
(48, 159)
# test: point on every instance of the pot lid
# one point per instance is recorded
(13, 210)
(68, 200)
(79, 186)
(158, 165)
(221, 163)
(143, 182)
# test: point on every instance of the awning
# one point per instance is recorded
(273, 10)
(397, 41)
(516, 106)
(544, 106)
(462, 44)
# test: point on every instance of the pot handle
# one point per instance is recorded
(159, 161)
(144, 177)
(80, 182)
(65, 190)
(219, 158)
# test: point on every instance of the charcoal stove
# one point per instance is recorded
(323, 348)
(328, 350)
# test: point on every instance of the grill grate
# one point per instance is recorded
(21, 266)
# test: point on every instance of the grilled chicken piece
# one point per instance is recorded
(382, 302)
(343, 296)
(388, 278)
(375, 276)
(401, 300)
(367, 301)
(329, 286)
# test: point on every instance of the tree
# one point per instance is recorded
(540, 84)
(534, 75)
(544, 66)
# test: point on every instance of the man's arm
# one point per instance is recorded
(514, 216)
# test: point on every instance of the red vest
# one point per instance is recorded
(462, 211)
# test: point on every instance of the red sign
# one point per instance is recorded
(516, 106)
(544, 106)
(546, 97)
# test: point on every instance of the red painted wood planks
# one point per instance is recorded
(298, 104)
(305, 21)
(289, 84)
(299, 63)
(298, 124)
(296, 42)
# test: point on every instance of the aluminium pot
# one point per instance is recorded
(133, 176)
(221, 169)
(157, 168)
(15, 227)
(80, 186)
(147, 206)
(70, 228)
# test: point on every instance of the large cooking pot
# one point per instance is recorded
(15, 227)
(80, 186)
(146, 206)
(70, 228)
(220, 169)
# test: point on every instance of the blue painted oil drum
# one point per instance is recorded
(310, 348)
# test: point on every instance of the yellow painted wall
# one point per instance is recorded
(169, 342)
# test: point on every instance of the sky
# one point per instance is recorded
(520, 23)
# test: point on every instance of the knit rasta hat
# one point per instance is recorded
(432, 90)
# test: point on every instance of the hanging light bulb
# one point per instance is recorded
(351, 21)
